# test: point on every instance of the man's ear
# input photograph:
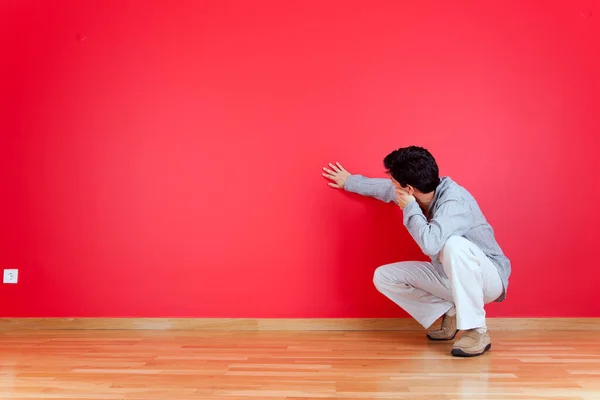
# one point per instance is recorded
(410, 190)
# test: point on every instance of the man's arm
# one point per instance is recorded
(379, 188)
(452, 218)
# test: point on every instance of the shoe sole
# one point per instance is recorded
(442, 339)
(460, 353)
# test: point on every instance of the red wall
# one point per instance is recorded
(165, 160)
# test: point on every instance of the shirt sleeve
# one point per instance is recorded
(452, 218)
(379, 188)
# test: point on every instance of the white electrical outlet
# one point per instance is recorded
(11, 275)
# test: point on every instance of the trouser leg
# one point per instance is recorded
(417, 287)
(474, 281)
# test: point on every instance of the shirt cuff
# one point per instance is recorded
(350, 184)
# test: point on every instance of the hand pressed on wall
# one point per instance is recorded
(337, 174)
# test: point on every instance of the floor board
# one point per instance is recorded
(182, 365)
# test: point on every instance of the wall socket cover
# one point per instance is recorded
(11, 275)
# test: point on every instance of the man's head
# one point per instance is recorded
(413, 169)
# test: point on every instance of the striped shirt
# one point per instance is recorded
(453, 212)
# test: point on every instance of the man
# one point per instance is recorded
(467, 269)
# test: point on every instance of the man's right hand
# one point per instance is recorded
(337, 174)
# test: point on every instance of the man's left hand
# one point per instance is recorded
(404, 198)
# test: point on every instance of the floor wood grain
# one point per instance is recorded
(272, 365)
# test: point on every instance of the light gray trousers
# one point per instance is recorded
(467, 280)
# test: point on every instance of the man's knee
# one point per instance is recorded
(380, 277)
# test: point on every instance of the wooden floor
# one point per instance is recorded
(293, 365)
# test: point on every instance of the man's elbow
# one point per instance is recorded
(431, 248)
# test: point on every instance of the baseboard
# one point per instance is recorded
(281, 324)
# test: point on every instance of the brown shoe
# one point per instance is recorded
(447, 331)
(472, 343)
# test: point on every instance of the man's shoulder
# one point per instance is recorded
(449, 189)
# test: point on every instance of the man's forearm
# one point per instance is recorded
(451, 218)
(426, 235)
(379, 188)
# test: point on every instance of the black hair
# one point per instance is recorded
(413, 166)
